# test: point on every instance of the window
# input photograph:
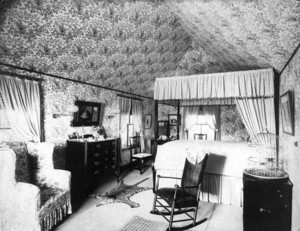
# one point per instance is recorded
(130, 119)
(201, 127)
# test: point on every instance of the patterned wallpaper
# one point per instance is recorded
(290, 80)
(119, 44)
(197, 61)
(244, 34)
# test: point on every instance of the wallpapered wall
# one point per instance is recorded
(290, 80)
(118, 44)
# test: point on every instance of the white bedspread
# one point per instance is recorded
(222, 181)
(225, 158)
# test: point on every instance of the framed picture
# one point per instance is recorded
(174, 119)
(88, 113)
(287, 112)
(148, 121)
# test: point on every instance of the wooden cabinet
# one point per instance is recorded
(267, 204)
(88, 162)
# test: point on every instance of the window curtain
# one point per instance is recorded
(190, 118)
(137, 110)
(124, 106)
(21, 100)
(258, 116)
(212, 118)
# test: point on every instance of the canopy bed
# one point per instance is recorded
(253, 94)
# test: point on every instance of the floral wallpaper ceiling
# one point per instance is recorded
(126, 44)
(118, 44)
(242, 34)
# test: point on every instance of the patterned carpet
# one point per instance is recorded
(120, 194)
(140, 224)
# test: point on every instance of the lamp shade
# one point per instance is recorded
(72, 108)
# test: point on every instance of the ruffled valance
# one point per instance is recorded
(254, 83)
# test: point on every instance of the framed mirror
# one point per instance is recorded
(88, 113)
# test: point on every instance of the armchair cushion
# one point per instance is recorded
(56, 178)
(40, 161)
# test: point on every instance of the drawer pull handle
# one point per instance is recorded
(262, 210)
(96, 172)
(97, 154)
(98, 145)
(97, 163)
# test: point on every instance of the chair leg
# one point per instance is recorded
(141, 166)
(154, 203)
(195, 215)
(171, 217)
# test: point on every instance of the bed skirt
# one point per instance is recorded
(221, 189)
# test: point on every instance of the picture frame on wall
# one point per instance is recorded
(174, 119)
(148, 121)
(88, 114)
(287, 112)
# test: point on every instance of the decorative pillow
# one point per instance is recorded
(40, 161)
(195, 156)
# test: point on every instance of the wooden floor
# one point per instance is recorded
(112, 217)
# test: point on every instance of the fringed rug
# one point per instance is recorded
(120, 194)
(140, 224)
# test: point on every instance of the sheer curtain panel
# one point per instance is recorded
(137, 110)
(258, 115)
(21, 99)
(212, 118)
(125, 106)
(190, 118)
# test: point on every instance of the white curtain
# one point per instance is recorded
(190, 118)
(21, 99)
(124, 106)
(137, 110)
(258, 116)
(212, 118)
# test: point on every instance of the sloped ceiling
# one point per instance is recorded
(126, 44)
(117, 44)
(242, 34)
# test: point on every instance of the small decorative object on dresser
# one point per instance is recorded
(88, 161)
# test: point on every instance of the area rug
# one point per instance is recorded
(137, 223)
(120, 194)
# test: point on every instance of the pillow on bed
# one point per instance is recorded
(195, 157)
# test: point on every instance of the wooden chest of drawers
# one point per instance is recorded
(88, 162)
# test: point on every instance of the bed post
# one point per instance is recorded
(155, 140)
(179, 119)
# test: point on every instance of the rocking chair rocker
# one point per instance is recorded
(181, 200)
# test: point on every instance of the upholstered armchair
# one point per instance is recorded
(37, 206)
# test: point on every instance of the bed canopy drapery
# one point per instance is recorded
(254, 84)
(252, 92)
